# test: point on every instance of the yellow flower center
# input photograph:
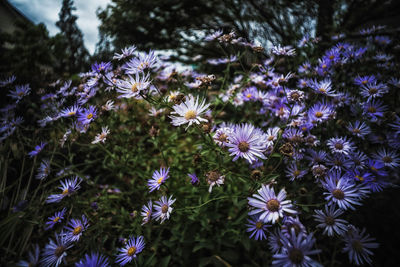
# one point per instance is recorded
(89, 116)
(248, 95)
(190, 115)
(322, 90)
(135, 87)
(259, 225)
(360, 178)
(159, 181)
(77, 230)
(318, 114)
(131, 251)
(273, 205)
(56, 219)
(65, 191)
(71, 113)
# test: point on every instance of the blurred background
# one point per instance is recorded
(44, 39)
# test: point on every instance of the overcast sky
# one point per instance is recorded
(46, 11)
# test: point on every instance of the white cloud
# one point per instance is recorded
(46, 11)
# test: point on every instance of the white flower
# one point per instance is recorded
(189, 112)
(134, 86)
(101, 137)
(109, 105)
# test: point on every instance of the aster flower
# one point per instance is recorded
(7, 81)
(221, 136)
(33, 258)
(377, 167)
(293, 173)
(70, 111)
(158, 179)
(133, 247)
(323, 87)
(341, 191)
(56, 218)
(358, 175)
(134, 86)
(274, 241)
(126, 52)
(358, 159)
(37, 149)
(374, 109)
(257, 228)
(247, 142)
(141, 63)
(54, 252)
(328, 220)
(373, 90)
(270, 206)
(389, 158)
(214, 178)
(316, 157)
(163, 208)
(283, 51)
(359, 129)
(338, 162)
(272, 135)
(363, 80)
(295, 95)
(101, 137)
(249, 94)
(147, 212)
(87, 115)
(93, 260)
(340, 145)
(213, 36)
(101, 67)
(189, 112)
(75, 228)
(292, 223)
(296, 250)
(44, 169)
(320, 112)
(194, 180)
(20, 92)
(358, 245)
(68, 187)
(109, 105)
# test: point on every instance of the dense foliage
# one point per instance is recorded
(266, 160)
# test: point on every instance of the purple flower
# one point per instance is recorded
(147, 212)
(54, 252)
(33, 257)
(247, 142)
(374, 109)
(133, 247)
(363, 80)
(249, 94)
(341, 191)
(93, 260)
(328, 220)
(320, 112)
(68, 187)
(20, 92)
(358, 245)
(126, 52)
(389, 158)
(269, 205)
(257, 228)
(141, 63)
(87, 115)
(56, 218)
(359, 129)
(373, 90)
(158, 179)
(101, 67)
(37, 149)
(340, 145)
(323, 87)
(44, 169)
(70, 111)
(75, 228)
(296, 250)
(194, 180)
(293, 172)
(163, 208)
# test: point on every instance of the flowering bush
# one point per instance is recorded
(140, 162)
